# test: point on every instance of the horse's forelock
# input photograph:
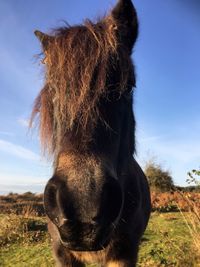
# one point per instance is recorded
(77, 67)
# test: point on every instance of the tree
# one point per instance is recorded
(159, 180)
(194, 178)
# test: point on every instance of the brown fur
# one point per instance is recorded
(97, 200)
(118, 264)
(91, 257)
(73, 86)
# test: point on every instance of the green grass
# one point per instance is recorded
(22, 255)
(25, 242)
(167, 242)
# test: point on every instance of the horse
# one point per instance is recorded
(97, 201)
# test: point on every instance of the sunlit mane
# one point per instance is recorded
(78, 62)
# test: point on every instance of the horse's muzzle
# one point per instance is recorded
(84, 236)
(84, 215)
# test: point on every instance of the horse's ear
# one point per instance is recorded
(125, 16)
(43, 38)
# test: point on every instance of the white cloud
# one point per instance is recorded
(183, 150)
(8, 179)
(178, 154)
(6, 133)
(18, 151)
(19, 183)
(35, 188)
(23, 122)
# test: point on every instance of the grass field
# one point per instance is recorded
(25, 242)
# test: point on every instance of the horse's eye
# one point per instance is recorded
(128, 93)
(129, 90)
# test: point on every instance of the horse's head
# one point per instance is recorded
(86, 120)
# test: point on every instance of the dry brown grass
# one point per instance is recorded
(27, 204)
(192, 217)
(192, 220)
(175, 201)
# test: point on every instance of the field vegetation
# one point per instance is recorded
(171, 239)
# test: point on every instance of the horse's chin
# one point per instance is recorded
(88, 245)
(85, 247)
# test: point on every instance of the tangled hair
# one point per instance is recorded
(78, 62)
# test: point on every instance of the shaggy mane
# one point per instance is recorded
(78, 61)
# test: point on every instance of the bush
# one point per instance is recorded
(159, 180)
(17, 229)
(192, 219)
(174, 201)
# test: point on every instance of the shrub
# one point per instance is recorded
(159, 180)
(17, 229)
(192, 219)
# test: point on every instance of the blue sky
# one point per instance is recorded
(166, 103)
